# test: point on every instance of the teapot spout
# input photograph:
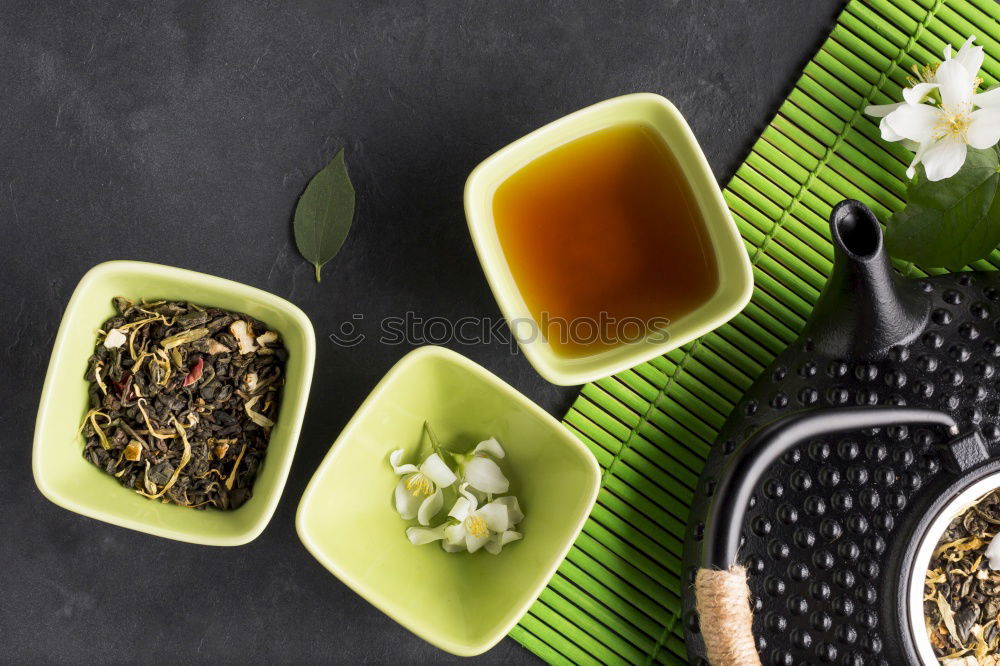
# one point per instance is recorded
(866, 307)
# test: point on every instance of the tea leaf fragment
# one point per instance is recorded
(948, 617)
(185, 458)
(324, 213)
(257, 417)
(183, 338)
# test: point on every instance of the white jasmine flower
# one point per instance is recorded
(481, 472)
(418, 494)
(969, 56)
(469, 527)
(500, 539)
(489, 525)
(993, 553)
(944, 132)
(940, 133)
(419, 536)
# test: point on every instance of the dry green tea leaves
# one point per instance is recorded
(324, 213)
(181, 407)
(962, 592)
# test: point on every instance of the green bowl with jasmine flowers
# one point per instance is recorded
(350, 519)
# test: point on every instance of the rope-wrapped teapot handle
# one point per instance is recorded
(722, 597)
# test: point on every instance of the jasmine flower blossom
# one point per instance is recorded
(481, 472)
(418, 494)
(473, 527)
(941, 114)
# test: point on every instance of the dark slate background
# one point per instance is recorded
(182, 133)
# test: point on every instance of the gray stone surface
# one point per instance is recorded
(183, 132)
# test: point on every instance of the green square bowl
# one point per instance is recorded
(66, 478)
(734, 270)
(462, 603)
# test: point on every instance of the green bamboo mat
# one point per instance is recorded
(616, 598)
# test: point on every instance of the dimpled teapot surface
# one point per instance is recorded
(832, 521)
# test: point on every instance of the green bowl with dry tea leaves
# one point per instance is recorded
(173, 403)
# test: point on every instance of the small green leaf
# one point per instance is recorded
(953, 222)
(324, 213)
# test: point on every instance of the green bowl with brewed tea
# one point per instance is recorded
(66, 477)
(606, 240)
(462, 602)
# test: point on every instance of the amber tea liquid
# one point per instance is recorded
(604, 229)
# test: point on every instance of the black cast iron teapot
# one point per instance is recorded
(802, 539)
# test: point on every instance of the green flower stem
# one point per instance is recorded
(435, 442)
(456, 458)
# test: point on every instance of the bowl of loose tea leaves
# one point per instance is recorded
(173, 402)
(955, 587)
